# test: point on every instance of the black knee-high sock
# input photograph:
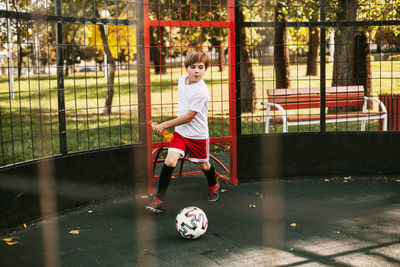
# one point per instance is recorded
(210, 174)
(165, 178)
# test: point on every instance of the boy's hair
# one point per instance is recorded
(196, 57)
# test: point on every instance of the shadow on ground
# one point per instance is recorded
(334, 222)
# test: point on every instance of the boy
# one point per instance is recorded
(191, 129)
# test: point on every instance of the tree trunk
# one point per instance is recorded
(281, 51)
(247, 80)
(111, 73)
(363, 64)
(20, 58)
(157, 50)
(20, 51)
(110, 88)
(344, 58)
(19, 44)
(67, 61)
(69, 53)
(221, 58)
(312, 55)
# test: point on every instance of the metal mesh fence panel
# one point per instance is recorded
(69, 77)
(316, 66)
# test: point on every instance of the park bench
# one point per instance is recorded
(301, 99)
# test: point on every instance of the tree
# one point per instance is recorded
(372, 10)
(281, 51)
(304, 10)
(117, 45)
(20, 28)
(111, 74)
(352, 64)
(388, 36)
(343, 70)
(311, 12)
(72, 51)
(362, 64)
(158, 49)
(247, 84)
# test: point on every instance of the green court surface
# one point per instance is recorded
(325, 221)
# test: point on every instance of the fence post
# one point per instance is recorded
(10, 63)
(322, 70)
(141, 79)
(237, 66)
(60, 81)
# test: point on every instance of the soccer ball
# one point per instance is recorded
(191, 222)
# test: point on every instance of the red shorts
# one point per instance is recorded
(198, 148)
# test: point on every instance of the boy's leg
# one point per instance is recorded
(199, 153)
(165, 178)
(213, 184)
(166, 173)
(209, 172)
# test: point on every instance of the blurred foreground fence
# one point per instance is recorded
(72, 72)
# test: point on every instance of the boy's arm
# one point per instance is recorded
(175, 122)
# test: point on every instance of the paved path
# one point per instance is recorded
(303, 222)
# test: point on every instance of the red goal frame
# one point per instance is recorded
(154, 148)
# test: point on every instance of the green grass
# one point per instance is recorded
(29, 123)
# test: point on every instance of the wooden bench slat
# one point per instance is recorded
(317, 104)
(314, 98)
(297, 91)
(316, 117)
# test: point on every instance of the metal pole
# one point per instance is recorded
(104, 14)
(10, 63)
(105, 60)
(147, 93)
(323, 71)
(60, 82)
(141, 75)
(238, 65)
(105, 56)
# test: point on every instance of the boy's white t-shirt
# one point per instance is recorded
(193, 97)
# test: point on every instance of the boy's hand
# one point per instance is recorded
(159, 129)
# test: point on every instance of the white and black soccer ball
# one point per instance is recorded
(191, 222)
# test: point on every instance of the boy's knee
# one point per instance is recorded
(205, 166)
(172, 159)
(170, 162)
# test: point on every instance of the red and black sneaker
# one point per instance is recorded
(213, 194)
(155, 206)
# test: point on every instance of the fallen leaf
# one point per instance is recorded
(74, 232)
(223, 190)
(125, 142)
(24, 225)
(259, 195)
(293, 224)
(252, 206)
(7, 239)
(13, 243)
